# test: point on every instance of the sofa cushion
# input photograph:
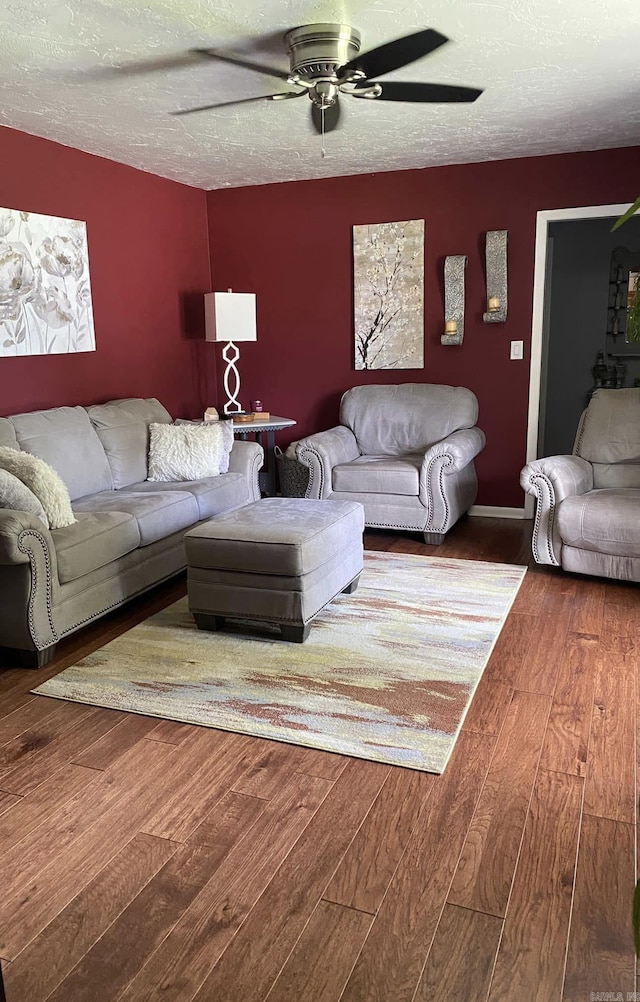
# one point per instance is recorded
(378, 475)
(123, 429)
(213, 494)
(398, 420)
(64, 438)
(157, 514)
(93, 541)
(607, 521)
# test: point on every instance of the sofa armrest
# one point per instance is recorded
(550, 481)
(12, 526)
(247, 458)
(321, 452)
(28, 579)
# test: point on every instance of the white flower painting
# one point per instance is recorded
(45, 295)
(388, 270)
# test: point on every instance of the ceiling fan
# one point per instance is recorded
(325, 62)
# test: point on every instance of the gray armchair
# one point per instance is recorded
(404, 452)
(588, 504)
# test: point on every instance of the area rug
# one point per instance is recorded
(386, 674)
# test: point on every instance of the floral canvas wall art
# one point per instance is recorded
(388, 270)
(45, 295)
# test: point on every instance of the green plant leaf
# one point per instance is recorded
(627, 215)
(636, 919)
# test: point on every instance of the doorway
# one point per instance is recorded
(552, 359)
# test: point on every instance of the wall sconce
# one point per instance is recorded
(454, 299)
(230, 316)
(496, 268)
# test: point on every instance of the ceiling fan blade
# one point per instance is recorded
(227, 57)
(244, 100)
(142, 66)
(331, 117)
(399, 90)
(393, 55)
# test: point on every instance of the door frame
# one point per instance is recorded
(543, 219)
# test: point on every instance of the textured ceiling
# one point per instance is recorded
(558, 76)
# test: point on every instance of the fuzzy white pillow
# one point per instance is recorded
(226, 430)
(43, 481)
(17, 497)
(184, 452)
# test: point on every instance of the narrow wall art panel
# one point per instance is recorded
(388, 277)
(45, 294)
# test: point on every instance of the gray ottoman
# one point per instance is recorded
(279, 560)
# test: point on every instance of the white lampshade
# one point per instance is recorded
(230, 316)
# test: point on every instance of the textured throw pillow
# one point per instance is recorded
(16, 496)
(184, 452)
(43, 481)
(226, 428)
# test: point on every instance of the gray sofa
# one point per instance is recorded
(588, 504)
(404, 452)
(129, 532)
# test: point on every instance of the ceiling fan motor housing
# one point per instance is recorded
(317, 50)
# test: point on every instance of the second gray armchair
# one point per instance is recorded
(404, 452)
(588, 504)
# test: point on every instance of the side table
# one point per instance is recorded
(259, 429)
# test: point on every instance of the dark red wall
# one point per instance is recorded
(149, 267)
(292, 245)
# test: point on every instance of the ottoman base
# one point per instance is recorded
(279, 561)
(293, 633)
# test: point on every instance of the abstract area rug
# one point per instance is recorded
(386, 674)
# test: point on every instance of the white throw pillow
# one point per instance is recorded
(16, 496)
(184, 452)
(43, 481)
(226, 428)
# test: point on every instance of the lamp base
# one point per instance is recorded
(231, 355)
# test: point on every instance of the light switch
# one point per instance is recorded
(517, 349)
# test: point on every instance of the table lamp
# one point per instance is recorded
(230, 317)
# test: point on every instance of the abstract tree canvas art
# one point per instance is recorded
(45, 295)
(388, 270)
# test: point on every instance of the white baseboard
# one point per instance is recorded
(491, 511)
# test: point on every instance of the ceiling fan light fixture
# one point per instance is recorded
(317, 50)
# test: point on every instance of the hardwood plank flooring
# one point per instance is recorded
(600, 957)
(395, 951)
(566, 740)
(490, 852)
(367, 867)
(332, 931)
(540, 903)
(462, 956)
(610, 784)
(144, 859)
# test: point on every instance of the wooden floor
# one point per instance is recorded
(144, 859)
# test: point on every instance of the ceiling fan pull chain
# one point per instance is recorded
(323, 151)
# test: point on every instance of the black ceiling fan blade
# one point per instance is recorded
(400, 90)
(227, 57)
(393, 55)
(331, 117)
(244, 100)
